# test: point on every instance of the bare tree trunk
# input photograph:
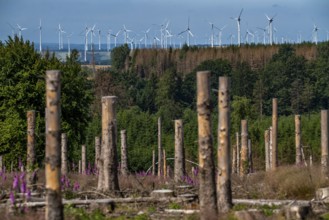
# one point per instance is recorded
(234, 160)
(153, 163)
(324, 143)
(1, 163)
(80, 167)
(250, 162)
(64, 154)
(164, 164)
(100, 168)
(207, 187)
(83, 159)
(271, 146)
(179, 151)
(124, 160)
(274, 161)
(30, 159)
(97, 150)
(244, 148)
(110, 157)
(267, 149)
(160, 163)
(298, 140)
(237, 153)
(54, 207)
(224, 191)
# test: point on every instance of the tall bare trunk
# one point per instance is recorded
(64, 154)
(224, 191)
(164, 164)
(30, 159)
(97, 150)
(298, 140)
(54, 207)
(99, 159)
(244, 148)
(267, 149)
(274, 134)
(80, 167)
(83, 159)
(1, 163)
(179, 151)
(238, 149)
(234, 159)
(109, 140)
(153, 162)
(250, 162)
(207, 187)
(324, 143)
(124, 160)
(160, 163)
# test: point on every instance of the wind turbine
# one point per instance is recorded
(40, 37)
(146, 37)
(188, 32)
(68, 43)
(270, 26)
(125, 30)
(220, 34)
(87, 30)
(315, 34)
(20, 29)
(99, 39)
(108, 40)
(264, 34)
(238, 20)
(212, 34)
(115, 37)
(91, 36)
(59, 36)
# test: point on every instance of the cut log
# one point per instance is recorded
(162, 193)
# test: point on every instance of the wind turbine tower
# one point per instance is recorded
(40, 37)
(270, 26)
(188, 32)
(220, 30)
(315, 34)
(99, 39)
(238, 21)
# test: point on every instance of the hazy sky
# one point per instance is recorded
(293, 16)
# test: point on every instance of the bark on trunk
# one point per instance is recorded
(250, 162)
(83, 159)
(224, 191)
(160, 163)
(298, 140)
(234, 160)
(207, 187)
(267, 149)
(324, 143)
(80, 167)
(100, 168)
(54, 207)
(64, 154)
(30, 159)
(124, 158)
(109, 133)
(164, 164)
(238, 153)
(153, 163)
(179, 151)
(244, 148)
(97, 151)
(274, 134)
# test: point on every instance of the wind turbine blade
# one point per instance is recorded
(268, 18)
(23, 29)
(190, 33)
(182, 32)
(240, 12)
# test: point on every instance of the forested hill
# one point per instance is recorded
(147, 61)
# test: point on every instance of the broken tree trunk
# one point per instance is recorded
(224, 191)
(83, 159)
(160, 163)
(124, 158)
(234, 160)
(267, 149)
(207, 186)
(79, 170)
(244, 148)
(298, 140)
(97, 150)
(324, 143)
(164, 164)
(237, 153)
(179, 151)
(64, 154)
(153, 162)
(109, 140)
(54, 207)
(274, 160)
(250, 162)
(100, 168)
(30, 159)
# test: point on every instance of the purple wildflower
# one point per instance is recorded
(195, 171)
(20, 164)
(76, 186)
(21, 177)
(23, 187)
(15, 182)
(12, 197)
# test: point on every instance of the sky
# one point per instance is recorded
(293, 18)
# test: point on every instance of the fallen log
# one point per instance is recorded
(270, 202)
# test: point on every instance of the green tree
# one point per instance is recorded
(120, 56)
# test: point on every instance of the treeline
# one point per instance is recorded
(144, 93)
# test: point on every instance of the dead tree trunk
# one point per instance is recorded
(153, 162)
(324, 143)
(274, 160)
(207, 187)
(83, 159)
(271, 146)
(244, 148)
(164, 164)
(124, 160)
(250, 162)
(99, 162)
(30, 159)
(54, 207)
(234, 160)
(179, 151)
(237, 153)
(80, 167)
(298, 140)
(1, 163)
(267, 149)
(64, 154)
(160, 163)
(224, 191)
(109, 140)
